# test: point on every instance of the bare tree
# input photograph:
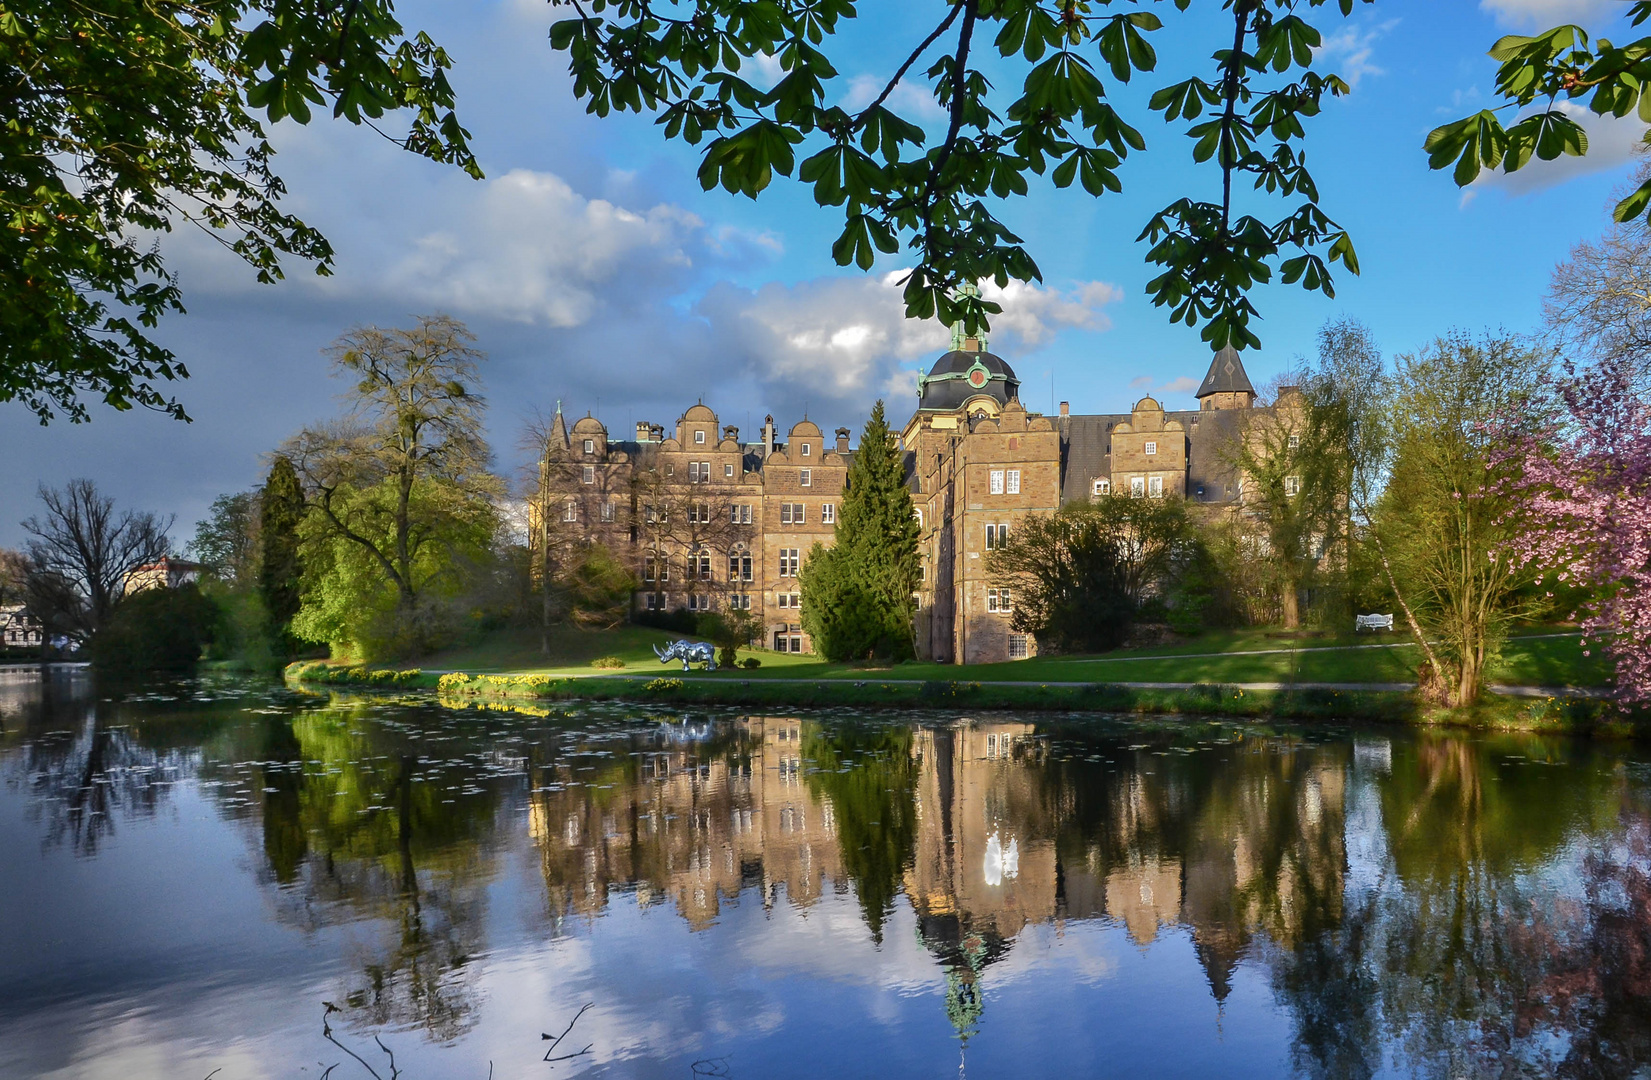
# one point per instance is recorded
(81, 554)
(688, 529)
(1599, 302)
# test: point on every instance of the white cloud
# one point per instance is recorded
(1612, 142)
(847, 339)
(1350, 49)
(1186, 384)
(910, 99)
(529, 249)
(1544, 14)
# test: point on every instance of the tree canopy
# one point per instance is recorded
(700, 71)
(122, 119)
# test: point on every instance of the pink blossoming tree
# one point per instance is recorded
(1583, 499)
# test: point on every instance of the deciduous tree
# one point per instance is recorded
(1443, 519)
(1580, 507)
(1244, 116)
(82, 552)
(120, 119)
(398, 492)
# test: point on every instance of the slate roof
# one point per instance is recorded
(1226, 375)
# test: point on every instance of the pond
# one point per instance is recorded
(236, 879)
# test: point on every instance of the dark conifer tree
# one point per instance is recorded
(282, 507)
(857, 595)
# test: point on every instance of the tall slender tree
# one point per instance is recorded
(857, 595)
(281, 508)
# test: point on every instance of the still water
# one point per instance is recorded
(237, 877)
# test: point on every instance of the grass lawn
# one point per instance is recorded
(519, 652)
(1224, 656)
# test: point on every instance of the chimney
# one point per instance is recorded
(656, 432)
(842, 440)
(768, 436)
(642, 430)
(1066, 408)
(731, 433)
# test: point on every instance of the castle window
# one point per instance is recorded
(1014, 481)
(789, 560)
(1137, 486)
(828, 514)
(698, 603)
(653, 601)
(996, 482)
(1103, 487)
(590, 446)
(705, 566)
(740, 602)
(728, 470)
(805, 477)
(918, 513)
(1152, 448)
(1292, 486)
(670, 470)
(997, 602)
(1017, 646)
(996, 536)
(699, 438)
(805, 449)
(739, 566)
(740, 514)
(1295, 442)
(1155, 487)
(607, 511)
(589, 475)
(791, 513)
(570, 511)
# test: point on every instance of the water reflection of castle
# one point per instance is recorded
(1235, 839)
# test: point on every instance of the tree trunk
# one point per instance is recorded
(1290, 601)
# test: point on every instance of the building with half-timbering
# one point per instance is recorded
(710, 521)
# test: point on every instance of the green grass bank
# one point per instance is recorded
(513, 671)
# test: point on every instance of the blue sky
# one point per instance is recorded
(593, 270)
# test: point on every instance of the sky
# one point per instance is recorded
(594, 272)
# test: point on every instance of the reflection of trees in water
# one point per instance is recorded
(85, 769)
(870, 777)
(1468, 949)
(359, 828)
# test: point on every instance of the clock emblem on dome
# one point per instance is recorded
(978, 375)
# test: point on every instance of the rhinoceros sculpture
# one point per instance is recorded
(689, 652)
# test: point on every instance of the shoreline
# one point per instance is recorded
(1530, 709)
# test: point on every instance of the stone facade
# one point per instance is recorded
(709, 522)
(979, 463)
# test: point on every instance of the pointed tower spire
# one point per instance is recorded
(1227, 384)
(559, 429)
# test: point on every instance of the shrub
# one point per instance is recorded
(156, 630)
(610, 663)
(751, 662)
(658, 685)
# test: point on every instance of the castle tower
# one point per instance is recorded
(1227, 384)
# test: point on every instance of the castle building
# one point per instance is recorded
(981, 463)
(709, 522)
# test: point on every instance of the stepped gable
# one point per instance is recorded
(1226, 376)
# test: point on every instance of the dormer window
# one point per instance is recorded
(805, 449)
(1103, 487)
(590, 446)
(699, 438)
